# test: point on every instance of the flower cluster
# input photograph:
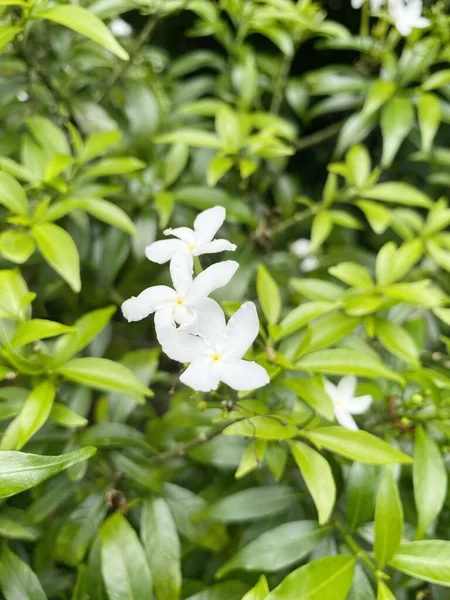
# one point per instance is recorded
(190, 326)
(406, 14)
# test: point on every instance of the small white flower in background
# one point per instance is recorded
(196, 241)
(375, 5)
(216, 355)
(344, 402)
(407, 14)
(301, 247)
(120, 28)
(183, 304)
(309, 264)
(22, 96)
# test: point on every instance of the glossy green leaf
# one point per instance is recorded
(383, 592)
(397, 340)
(12, 195)
(17, 580)
(428, 560)
(352, 274)
(358, 162)
(117, 165)
(399, 193)
(99, 142)
(162, 547)
(318, 477)
(267, 427)
(268, 295)
(329, 577)
(299, 317)
(251, 504)
(16, 246)
(313, 393)
(48, 135)
(85, 22)
(259, 592)
(320, 230)
(31, 418)
(60, 251)
(108, 213)
(430, 480)
(356, 445)
(397, 119)
(388, 519)
(429, 113)
(361, 492)
(20, 471)
(125, 571)
(379, 93)
(103, 374)
(64, 416)
(37, 329)
(277, 548)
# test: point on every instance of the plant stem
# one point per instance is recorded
(365, 16)
(182, 449)
(281, 84)
(356, 549)
(297, 218)
(319, 136)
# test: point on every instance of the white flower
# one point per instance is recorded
(344, 403)
(375, 5)
(309, 264)
(196, 241)
(183, 304)
(407, 14)
(301, 247)
(120, 28)
(216, 354)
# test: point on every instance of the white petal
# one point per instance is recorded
(309, 264)
(243, 375)
(357, 3)
(345, 419)
(421, 22)
(346, 388)
(214, 247)
(331, 390)
(181, 346)
(208, 223)
(301, 247)
(358, 406)
(162, 251)
(164, 319)
(137, 308)
(241, 331)
(375, 5)
(210, 321)
(183, 233)
(181, 269)
(212, 278)
(201, 375)
(186, 317)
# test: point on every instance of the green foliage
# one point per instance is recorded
(328, 150)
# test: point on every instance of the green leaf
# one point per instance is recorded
(361, 587)
(37, 329)
(13, 530)
(359, 164)
(217, 168)
(317, 289)
(326, 331)
(397, 340)
(299, 317)
(251, 504)
(184, 505)
(318, 477)
(320, 230)
(428, 560)
(196, 138)
(83, 21)
(397, 119)
(12, 195)
(103, 374)
(228, 590)
(277, 549)
(60, 251)
(313, 393)
(99, 142)
(202, 197)
(20, 471)
(329, 577)
(64, 416)
(259, 592)
(124, 566)
(17, 580)
(352, 274)
(399, 193)
(32, 417)
(175, 163)
(343, 361)
(16, 246)
(79, 528)
(355, 129)
(86, 329)
(162, 546)
(356, 445)
(430, 480)
(362, 486)
(383, 592)
(266, 427)
(388, 519)
(116, 165)
(8, 33)
(48, 135)
(268, 295)
(379, 93)
(429, 113)
(108, 213)
(378, 216)
(228, 127)
(164, 204)
(436, 80)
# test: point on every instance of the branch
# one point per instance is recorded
(319, 136)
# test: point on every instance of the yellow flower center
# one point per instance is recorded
(216, 356)
(179, 301)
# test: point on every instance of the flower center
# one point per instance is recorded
(179, 301)
(216, 356)
(192, 246)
